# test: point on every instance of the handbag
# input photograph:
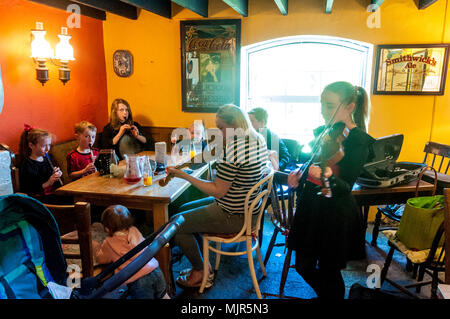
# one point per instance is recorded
(421, 218)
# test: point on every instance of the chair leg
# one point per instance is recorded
(218, 247)
(415, 268)
(271, 244)
(387, 263)
(420, 277)
(286, 266)
(434, 285)
(261, 264)
(376, 228)
(409, 265)
(252, 267)
(205, 264)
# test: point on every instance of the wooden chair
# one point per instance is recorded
(440, 160)
(283, 203)
(430, 261)
(246, 234)
(76, 217)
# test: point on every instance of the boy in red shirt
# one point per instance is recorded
(80, 162)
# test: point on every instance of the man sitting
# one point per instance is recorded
(278, 154)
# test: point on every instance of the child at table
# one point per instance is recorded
(148, 282)
(39, 176)
(80, 162)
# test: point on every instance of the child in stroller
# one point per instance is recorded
(32, 261)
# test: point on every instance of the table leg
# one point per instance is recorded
(160, 217)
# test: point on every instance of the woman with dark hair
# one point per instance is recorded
(327, 231)
(123, 134)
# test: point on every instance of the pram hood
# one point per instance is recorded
(17, 207)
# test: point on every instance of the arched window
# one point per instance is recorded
(286, 76)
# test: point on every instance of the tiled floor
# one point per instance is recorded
(233, 281)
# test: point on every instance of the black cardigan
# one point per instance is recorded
(331, 229)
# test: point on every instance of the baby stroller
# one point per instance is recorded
(32, 261)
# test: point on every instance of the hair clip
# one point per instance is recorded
(356, 89)
(27, 127)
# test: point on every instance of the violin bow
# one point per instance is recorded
(315, 149)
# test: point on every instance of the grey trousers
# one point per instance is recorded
(203, 216)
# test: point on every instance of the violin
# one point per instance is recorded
(330, 152)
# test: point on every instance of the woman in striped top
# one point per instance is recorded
(240, 168)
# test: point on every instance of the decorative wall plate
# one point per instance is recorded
(123, 63)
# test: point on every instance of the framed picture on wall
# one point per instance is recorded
(411, 69)
(210, 61)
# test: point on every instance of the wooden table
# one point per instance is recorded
(366, 197)
(154, 199)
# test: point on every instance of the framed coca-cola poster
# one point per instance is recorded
(210, 61)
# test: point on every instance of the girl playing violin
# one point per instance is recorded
(328, 231)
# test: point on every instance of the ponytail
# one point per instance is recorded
(353, 94)
(361, 112)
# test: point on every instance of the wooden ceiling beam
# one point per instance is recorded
(198, 6)
(282, 6)
(328, 6)
(112, 6)
(423, 4)
(240, 6)
(159, 7)
(84, 10)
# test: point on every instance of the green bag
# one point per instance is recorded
(420, 221)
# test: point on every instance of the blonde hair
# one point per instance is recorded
(349, 93)
(114, 119)
(116, 217)
(235, 117)
(83, 125)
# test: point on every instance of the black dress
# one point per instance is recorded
(330, 229)
(109, 132)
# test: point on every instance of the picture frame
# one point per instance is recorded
(413, 69)
(210, 64)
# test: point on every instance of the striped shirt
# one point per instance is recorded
(243, 164)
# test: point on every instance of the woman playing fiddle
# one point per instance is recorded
(327, 230)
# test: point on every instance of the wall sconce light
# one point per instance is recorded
(41, 52)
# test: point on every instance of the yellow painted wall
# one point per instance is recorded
(154, 89)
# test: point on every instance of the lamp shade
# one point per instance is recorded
(40, 48)
(63, 50)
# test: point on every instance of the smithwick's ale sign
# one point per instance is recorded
(412, 60)
(411, 69)
(212, 44)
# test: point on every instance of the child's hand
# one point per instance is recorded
(55, 176)
(315, 172)
(134, 130)
(124, 128)
(293, 178)
(90, 168)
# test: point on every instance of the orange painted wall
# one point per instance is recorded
(154, 90)
(53, 107)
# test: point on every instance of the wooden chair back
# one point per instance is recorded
(76, 217)
(439, 152)
(283, 202)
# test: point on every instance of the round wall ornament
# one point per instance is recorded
(123, 63)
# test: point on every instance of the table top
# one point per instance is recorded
(410, 187)
(105, 186)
